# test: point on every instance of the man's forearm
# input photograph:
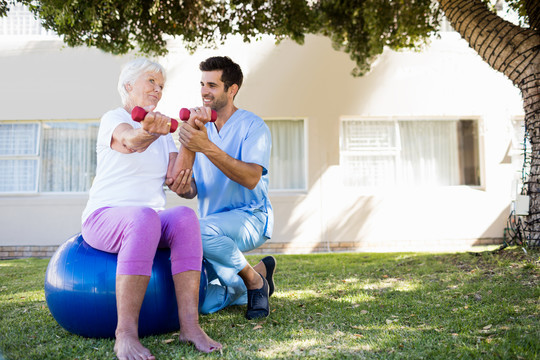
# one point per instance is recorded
(245, 174)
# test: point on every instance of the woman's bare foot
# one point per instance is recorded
(128, 347)
(195, 335)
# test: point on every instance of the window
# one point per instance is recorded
(378, 153)
(287, 160)
(51, 156)
(21, 22)
(19, 157)
(68, 161)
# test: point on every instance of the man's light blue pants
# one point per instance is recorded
(225, 236)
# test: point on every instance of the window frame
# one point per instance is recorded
(36, 156)
(303, 190)
(39, 155)
(396, 119)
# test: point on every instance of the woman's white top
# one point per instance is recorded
(135, 179)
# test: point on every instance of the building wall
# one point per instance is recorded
(45, 80)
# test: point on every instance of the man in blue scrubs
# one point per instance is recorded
(230, 179)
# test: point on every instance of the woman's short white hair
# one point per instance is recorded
(131, 72)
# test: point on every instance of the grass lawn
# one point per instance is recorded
(328, 306)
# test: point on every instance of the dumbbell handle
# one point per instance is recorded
(138, 114)
(185, 113)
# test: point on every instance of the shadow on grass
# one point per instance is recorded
(326, 306)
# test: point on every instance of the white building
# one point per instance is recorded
(420, 154)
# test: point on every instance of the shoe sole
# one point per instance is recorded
(270, 264)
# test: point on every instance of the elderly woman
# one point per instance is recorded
(125, 212)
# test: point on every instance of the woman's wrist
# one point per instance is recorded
(148, 133)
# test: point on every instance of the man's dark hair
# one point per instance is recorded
(231, 72)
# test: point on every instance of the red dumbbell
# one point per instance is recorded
(185, 113)
(138, 114)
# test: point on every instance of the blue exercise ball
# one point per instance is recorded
(80, 292)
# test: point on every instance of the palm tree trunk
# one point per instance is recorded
(515, 52)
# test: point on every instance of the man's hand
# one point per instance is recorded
(194, 139)
(204, 114)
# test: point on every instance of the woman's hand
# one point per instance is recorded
(155, 123)
(127, 140)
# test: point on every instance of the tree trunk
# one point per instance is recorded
(515, 52)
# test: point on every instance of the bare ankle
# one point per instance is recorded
(260, 268)
(256, 283)
(125, 332)
(189, 324)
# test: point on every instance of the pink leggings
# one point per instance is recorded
(135, 233)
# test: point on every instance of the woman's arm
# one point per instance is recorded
(180, 175)
(127, 140)
(183, 184)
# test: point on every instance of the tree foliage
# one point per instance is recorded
(361, 28)
(364, 28)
